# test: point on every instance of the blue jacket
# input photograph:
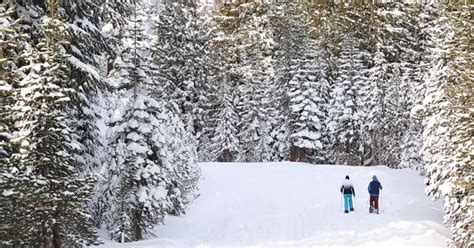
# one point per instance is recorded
(374, 187)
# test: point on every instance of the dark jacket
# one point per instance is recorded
(374, 187)
(347, 188)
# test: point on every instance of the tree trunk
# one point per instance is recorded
(2, 72)
(46, 238)
(349, 157)
(293, 153)
(302, 154)
(110, 65)
(227, 156)
(56, 235)
(137, 229)
(53, 8)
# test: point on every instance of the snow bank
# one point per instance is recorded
(295, 205)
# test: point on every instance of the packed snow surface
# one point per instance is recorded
(296, 205)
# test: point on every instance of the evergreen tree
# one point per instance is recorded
(137, 176)
(448, 124)
(125, 199)
(254, 106)
(225, 144)
(130, 71)
(309, 96)
(251, 43)
(211, 66)
(377, 120)
(288, 26)
(84, 50)
(396, 124)
(346, 114)
(423, 18)
(11, 42)
(44, 185)
(150, 170)
(180, 56)
(181, 158)
(397, 33)
(227, 76)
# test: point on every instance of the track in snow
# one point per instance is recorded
(296, 204)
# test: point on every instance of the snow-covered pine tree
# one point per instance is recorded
(222, 118)
(376, 124)
(287, 24)
(180, 50)
(227, 75)
(396, 32)
(449, 121)
(136, 177)
(113, 16)
(151, 167)
(204, 67)
(254, 128)
(116, 198)
(248, 49)
(87, 45)
(11, 201)
(151, 171)
(181, 159)
(254, 106)
(225, 143)
(418, 56)
(11, 42)
(309, 91)
(84, 49)
(396, 124)
(398, 42)
(360, 20)
(129, 71)
(345, 113)
(324, 31)
(207, 66)
(45, 184)
(182, 62)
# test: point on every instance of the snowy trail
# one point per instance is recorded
(295, 204)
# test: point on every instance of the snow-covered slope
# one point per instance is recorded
(295, 204)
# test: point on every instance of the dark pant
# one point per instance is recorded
(374, 201)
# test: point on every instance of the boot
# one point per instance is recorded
(345, 211)
(352, 209)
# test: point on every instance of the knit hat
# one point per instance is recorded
(374, 177)
(347, 177)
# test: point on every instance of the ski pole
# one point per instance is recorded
(380, 201)
(353, 202)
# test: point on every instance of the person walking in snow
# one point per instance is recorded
(347, 189)
(374, 190)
